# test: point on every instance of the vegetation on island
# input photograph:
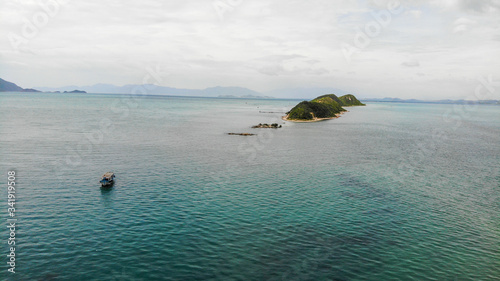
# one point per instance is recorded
(350, 100)
(322, 107)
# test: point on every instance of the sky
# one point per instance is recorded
(374, 48)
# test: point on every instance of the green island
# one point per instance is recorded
(321, 108)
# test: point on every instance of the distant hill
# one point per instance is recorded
(303, 92)
(350, 100)
(322, 107)
(244, 97)
(150, 89)
(75, 92)
(219, 91)
(6, 86)
(235, 91)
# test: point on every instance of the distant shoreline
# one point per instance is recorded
(443, 102)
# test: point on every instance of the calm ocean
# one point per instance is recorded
(390, 191)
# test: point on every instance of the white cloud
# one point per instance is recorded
(259, 44)
(411, 64)
(414, 13)
(485, 6)
(463, 24)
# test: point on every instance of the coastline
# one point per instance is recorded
(285, 118)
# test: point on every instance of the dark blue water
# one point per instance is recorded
(386, 192)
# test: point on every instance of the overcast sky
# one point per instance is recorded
(420, 49)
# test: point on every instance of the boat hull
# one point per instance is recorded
(107, 183)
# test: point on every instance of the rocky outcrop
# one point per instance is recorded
(240, 134)
(270, 126)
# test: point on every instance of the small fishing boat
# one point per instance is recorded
(108, 179)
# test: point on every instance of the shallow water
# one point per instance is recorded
(389, 191)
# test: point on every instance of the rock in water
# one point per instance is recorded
(240, 134)
(272, 126)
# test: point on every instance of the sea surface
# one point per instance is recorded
(390, 191)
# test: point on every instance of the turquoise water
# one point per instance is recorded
(386, 192)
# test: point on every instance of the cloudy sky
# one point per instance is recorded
(418, 49)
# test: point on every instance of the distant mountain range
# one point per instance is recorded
(244, 97)
(221, 92)
(6, 86)
(150, 89)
